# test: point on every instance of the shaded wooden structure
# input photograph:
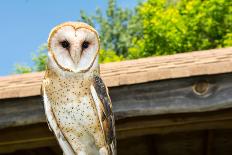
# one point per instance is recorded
(169, 105)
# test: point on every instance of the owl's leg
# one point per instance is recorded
(103, 151)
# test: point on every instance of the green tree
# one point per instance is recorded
(155, 27)
(115, 28)
(114, 32)
(21, 69)
(39, 59)
(109, 56)
(170, 27)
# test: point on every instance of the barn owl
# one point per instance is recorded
(76, 101)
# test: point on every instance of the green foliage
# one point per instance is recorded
(155, 27)
(114, 27)
(21, 69)
(109, 56)
(227, 40)
(39, 59)
(170, 27)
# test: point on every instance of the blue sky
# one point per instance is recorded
(25, 24)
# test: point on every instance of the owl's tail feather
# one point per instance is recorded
(113, 149)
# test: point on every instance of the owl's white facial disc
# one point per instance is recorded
(74, 48)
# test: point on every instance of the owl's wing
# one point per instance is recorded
(104, 108)
(51, 120)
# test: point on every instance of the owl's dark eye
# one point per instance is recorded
(65, 44)
(85, 44)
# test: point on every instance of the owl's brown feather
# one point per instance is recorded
(107, 117)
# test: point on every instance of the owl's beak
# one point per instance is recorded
(75, 55)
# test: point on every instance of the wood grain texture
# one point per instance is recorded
(159, 107)
(38, 135)
(147, 99)
(172, 96)
(184, 101)
(26, 137)
(180, 143)
(143, 70)
(19, 112)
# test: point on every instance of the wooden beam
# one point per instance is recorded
(148, 99)
(181, 143)
(38, 135)
(159, 107)
(25, 137)
(216, 61)
(172, 96)
(209, 142)
(181, 119)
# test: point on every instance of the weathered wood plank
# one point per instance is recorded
(160, 97)
(19, 112)
(38, 135)
(26, 137)
(173, 96)
(174, 120)
(136, 146)
(216, 61)
(159, 107)
(209, 142)
(144, 104)
(180, 143)
(222, 143)
(178, 128)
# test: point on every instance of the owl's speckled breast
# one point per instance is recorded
(74, 109)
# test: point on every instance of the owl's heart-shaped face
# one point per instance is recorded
(74, 46)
